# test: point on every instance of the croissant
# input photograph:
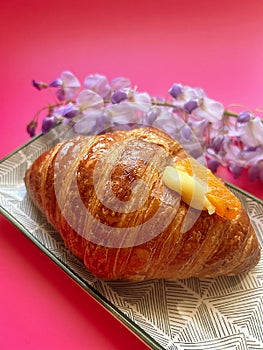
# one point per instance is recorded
(107, 198)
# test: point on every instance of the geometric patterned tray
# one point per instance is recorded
(224, 313)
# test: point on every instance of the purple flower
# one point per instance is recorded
(97, 83)
(67, 86)
(244, 117)
(199, 129)
(251, 133)
(249, 148)
(182, 94)
(39, 85)
(118, 96)
(235, 169)
(209, 110)
(150, 117)
(103, 122)
(48, 123)
(194, 100)
(175, 90)
(88, 99)
(142, 100)
(169, 122)
(70, 111)
(199, 123)
(213, 165)
(219, 157)
(56, 83)
(230, 128)
(190, 105)
(31, 128)
(232, 153)
(124, 113)
(67, 111)
(217, 142)
(93, 122)
(253, 155)
(186, 133)
(120, 83)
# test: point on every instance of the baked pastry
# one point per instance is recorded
(107, 196)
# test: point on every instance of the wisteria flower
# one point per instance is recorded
(39, 85)
(199, 128)
(93, 122)
(251, 133)
(120, 83)
(194, 100)
(31, 128)
(183, 94)
(150, 117)
(88, 99)
(97, 83)
(48, 123)
(202, 125)
(129, 107)
(209, 110)
(67, 86)
(142, 101)
(119, 95)
(68, 111)
(244, 117)
(125, 112)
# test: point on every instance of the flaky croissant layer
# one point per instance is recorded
(106, 197)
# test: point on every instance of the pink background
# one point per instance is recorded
(217, 45)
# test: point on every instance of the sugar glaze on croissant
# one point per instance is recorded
(85, 186)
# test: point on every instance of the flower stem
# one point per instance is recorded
(163, 104)
(51, 106)
(230, 114)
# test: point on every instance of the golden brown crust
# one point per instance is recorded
(72, 185)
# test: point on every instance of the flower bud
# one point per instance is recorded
(118, 96)
(213, 165)
(244, 117)
(190, 105)
(39, 85)
(31, 128)
(217, 142)
(235, 169)
(70, 111)
(175, 90)
(48, 123)
(56, 83)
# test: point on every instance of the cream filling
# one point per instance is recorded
(191, 190)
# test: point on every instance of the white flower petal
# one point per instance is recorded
(252, 132)
(89, 99)
(85, 125)
(120, 83)
(97, 83)
(142, 101)
(69, 80)
(210, 110)
(124, 112)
